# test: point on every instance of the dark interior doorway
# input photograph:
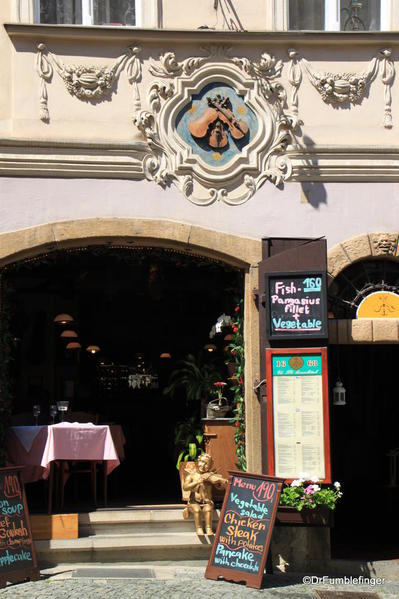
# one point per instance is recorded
(364, 431)
(128, 302)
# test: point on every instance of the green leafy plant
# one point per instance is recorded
(237, 387)
(189, 440)
(196, 378)
(306, 493)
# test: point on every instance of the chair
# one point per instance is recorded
(69, 468)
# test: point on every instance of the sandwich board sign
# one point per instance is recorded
(245, 527)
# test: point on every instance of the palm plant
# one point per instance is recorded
(196, 378)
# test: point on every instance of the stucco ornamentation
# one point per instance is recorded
(345, 88)
(384, 244)
(239, 167)
(87, 82)
(294, 78)
(168, 66)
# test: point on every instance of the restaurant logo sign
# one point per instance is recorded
(216, 125)
(296, 305)
(380, 304)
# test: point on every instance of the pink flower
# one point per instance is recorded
(219, 384)
(309, 490)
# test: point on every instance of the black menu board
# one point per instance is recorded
(296, 305)
(17, 554)
(245, 527)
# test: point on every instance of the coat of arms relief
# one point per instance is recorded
(216, 126)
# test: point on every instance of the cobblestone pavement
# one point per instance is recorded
(176, 583)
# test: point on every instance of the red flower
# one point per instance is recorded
(235, 329)
(240, 381)
(237, 424)
(219, 384)
(237, 309)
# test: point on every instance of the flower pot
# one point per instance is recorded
(319, 516)
(216, 410)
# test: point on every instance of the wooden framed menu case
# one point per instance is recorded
(298, 431)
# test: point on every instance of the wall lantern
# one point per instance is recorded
(165, 356)
(339, 394)
(64, 319)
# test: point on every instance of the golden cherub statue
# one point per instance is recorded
(200, 484)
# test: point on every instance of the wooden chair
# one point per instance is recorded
(69, 468)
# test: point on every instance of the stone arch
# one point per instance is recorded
(361, 247)
(232, 249)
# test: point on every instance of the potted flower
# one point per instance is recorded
(304, 501)
(218, 408)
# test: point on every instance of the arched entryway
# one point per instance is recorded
(154, 244)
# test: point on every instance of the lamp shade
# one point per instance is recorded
(210, 347)
(73, 345)
(69, 334)
(92, 349)
(64, 318)
(165, 356)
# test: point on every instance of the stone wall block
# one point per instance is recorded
(357, 248)
(360, 331)
(385, 330)
(384, 244)
(337, 260)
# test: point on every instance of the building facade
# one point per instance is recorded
(206, 128)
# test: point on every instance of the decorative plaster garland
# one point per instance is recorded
(340, 88)
(87, 82)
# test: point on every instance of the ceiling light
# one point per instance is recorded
(73, 345)
(92, 349)
(210, 347)
(64, 318)
(69, 334)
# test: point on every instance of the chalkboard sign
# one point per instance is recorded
(245, 527)
(17, 553)
(296, 305)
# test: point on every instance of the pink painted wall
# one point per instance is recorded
(335, 210)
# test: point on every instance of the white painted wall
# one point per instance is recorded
(336, 210)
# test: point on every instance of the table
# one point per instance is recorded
(37, 448)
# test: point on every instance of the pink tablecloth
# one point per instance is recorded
(64, 441)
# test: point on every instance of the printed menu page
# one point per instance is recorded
(298, 415)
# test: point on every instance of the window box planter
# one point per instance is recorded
(289, 516)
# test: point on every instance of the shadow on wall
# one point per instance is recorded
(312, 192)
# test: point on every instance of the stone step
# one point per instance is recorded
(125, 548)
(136, 520)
